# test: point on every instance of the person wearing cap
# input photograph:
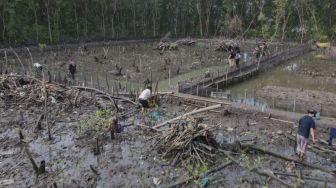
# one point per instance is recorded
(144, 98)
(306, 127)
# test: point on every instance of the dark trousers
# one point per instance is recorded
(332, 135)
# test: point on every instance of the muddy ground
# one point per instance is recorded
(325, 68)
(291, 99)
(137, 60)
(130, 161)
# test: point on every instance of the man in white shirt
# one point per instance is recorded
(144, 98)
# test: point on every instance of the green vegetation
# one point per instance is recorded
(249, 163)
(50, 21)
(95, 124)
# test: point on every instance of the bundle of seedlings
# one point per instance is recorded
(186, 140)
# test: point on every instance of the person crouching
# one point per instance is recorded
(144, 98)
(112, 127)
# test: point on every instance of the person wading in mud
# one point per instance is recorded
(72, 69)
(144, 98)
(306, 127)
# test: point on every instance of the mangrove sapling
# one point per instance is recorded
(21, 136)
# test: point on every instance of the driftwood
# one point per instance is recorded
(284, 121)
(257, 170)
(103, 93)
(252, 147)
(188, 114)
(305, 177)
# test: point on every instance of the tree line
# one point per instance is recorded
(54, 21)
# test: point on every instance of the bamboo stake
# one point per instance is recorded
(17, 56)
(6, 60)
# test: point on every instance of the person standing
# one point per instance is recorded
(306, 127)
(332, 135)
(144, 98)
(38, 68)
(237, 56)
(72, 69)
(231, 58)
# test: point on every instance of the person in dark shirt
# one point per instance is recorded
(72, 68)
(306, 127)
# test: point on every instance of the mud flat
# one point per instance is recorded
(292, 99)
(78, 151)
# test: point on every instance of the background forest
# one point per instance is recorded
(55, 21)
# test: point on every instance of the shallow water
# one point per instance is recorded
(285, 75)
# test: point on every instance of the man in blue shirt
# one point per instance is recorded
(306, 127)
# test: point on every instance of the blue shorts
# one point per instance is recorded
(144, 103)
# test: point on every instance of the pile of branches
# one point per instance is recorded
(225, 46)
(186, 142)
(186, 41)
(16, 89)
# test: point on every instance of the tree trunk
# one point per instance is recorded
(36, 29)
(3, 23)
(49, 24)
(103, 10)
(155, 15)
(209, 8)
(76, 20)
(134, 16)
(284, 25)
(112, 18)
(86, 19)
(199, 17)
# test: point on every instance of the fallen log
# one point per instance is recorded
(104, 93)
(252, 147)
(188, 114)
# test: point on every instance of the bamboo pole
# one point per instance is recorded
(189, 114)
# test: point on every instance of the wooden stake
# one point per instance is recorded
(17, 56)
(6, 59)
